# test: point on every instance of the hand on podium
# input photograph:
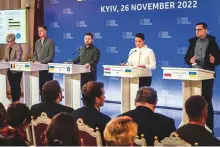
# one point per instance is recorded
(123, 64)
(141, 66)
(87, 65)
(37, 62)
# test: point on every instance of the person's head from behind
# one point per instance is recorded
(147, 97)
(52, 92)
(93, 94)
(201, 30)
(197, 109)
(42, 31)
(139, 40)
(120, 131)
(2, 116)
(62, 131)
(88, 39)
(10, 39)
(18, 115)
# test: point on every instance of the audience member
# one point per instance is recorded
(18, 119)
(62, 131)
(51, 106)
(120, 131)
(150, 124)
(2, 116)
(194, 132)
(93, 95)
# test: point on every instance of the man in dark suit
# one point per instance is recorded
(44, 53)
(150, 124)
(194, 132)
(203, 52)
(93, 98)
(53, 96)
(13, 52)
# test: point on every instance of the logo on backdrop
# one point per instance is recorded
(54, 24)
(112, 50)
(127, 35)
(163, 63)
(67, 11)
(54, 1)
(57, 49)
(81, 24)
(183, 20)
(111, 23)
(181, 50)
(146, 22)
(67, 36)
(164, 35)
(97, 35)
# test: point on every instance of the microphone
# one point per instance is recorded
(24, 57)
(128, 56)
(70, 56)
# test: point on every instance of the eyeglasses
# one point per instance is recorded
(199, 30)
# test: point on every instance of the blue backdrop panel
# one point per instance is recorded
(167, 24)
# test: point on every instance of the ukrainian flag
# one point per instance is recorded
(27, 66)
(192, 74)
(51, 68)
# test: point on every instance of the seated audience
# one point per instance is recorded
(93, 95)
(53, 96)
(62, 131)
(150, 124)
(120, 131)
(18, 119)
(195, 132)
(2, 116)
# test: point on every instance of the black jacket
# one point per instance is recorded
(151, 124)
(50, 109)
(197, 134)
(212, 49)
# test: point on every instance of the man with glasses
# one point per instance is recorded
(203, 52)
(13, 52)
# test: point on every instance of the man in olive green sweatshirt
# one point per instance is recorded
(89, 57)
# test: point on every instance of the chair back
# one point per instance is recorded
(38, 127)
(88, 136)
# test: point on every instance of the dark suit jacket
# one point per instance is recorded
(212, 49)
(197, 134)
(92, 117)
(50, 109)
(151, 124)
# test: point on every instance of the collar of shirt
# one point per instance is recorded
(142, 48)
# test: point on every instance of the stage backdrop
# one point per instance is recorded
(167, 25)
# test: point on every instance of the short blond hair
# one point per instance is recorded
(120, 131)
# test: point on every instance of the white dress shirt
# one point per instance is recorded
(142, 56)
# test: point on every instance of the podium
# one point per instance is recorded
(129, 82)
(191, 82)
(30, 80)
(71, 81)
(3, 73)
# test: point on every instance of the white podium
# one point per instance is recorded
(3, 90)
(191, 82)
(30, 80)
(129, 82)
(71, 81)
